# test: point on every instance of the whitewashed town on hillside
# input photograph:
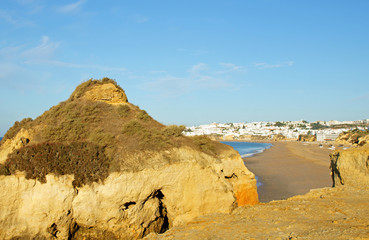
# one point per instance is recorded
(323, 130)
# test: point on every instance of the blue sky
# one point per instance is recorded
(190, 62)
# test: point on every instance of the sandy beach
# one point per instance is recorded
(290, 168)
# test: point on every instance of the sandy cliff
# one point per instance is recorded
(97, 166)
(351, 167)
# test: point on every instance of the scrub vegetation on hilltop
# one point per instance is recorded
(90, 139)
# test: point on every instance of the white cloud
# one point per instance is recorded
(196, 69)
(71, 7)
(230, 67)
(42, 52)
(264, 65)
(198, 77)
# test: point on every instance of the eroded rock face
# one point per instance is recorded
(350, 167)
(128, 204)
(108, 93)
(21, 139)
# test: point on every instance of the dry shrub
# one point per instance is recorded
(86, 161)
(174, 130)
(143, 115)
(124, 111)
(205, 144)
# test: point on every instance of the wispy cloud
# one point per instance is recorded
(264, 65)
(198, 68)
(230, 67)
(43, 52)
(72, 7)
(7, 17)
(16, 21)
(198, 77)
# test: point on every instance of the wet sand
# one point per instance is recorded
(290, 168)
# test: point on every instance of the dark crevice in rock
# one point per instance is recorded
(232, 176)
(161, 223)
(53, 230)
(73, 228)
(335, 173)
(128, 205)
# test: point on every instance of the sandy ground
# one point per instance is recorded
(290, 168)
(329, 213)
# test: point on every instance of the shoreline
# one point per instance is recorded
(290, 168)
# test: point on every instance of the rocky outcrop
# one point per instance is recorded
(355, 137)
(350, 167)
(21, 139)
(279, 137)
(306, 138)
(74, 173)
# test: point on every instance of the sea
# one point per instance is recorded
(249, 149)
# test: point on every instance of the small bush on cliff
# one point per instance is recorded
(123, 110)
(4, 170)
(174, 130)
(86, 161)
(205, 144)
(143, 115)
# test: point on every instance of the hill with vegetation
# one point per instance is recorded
(96, 133)
(97, 166)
